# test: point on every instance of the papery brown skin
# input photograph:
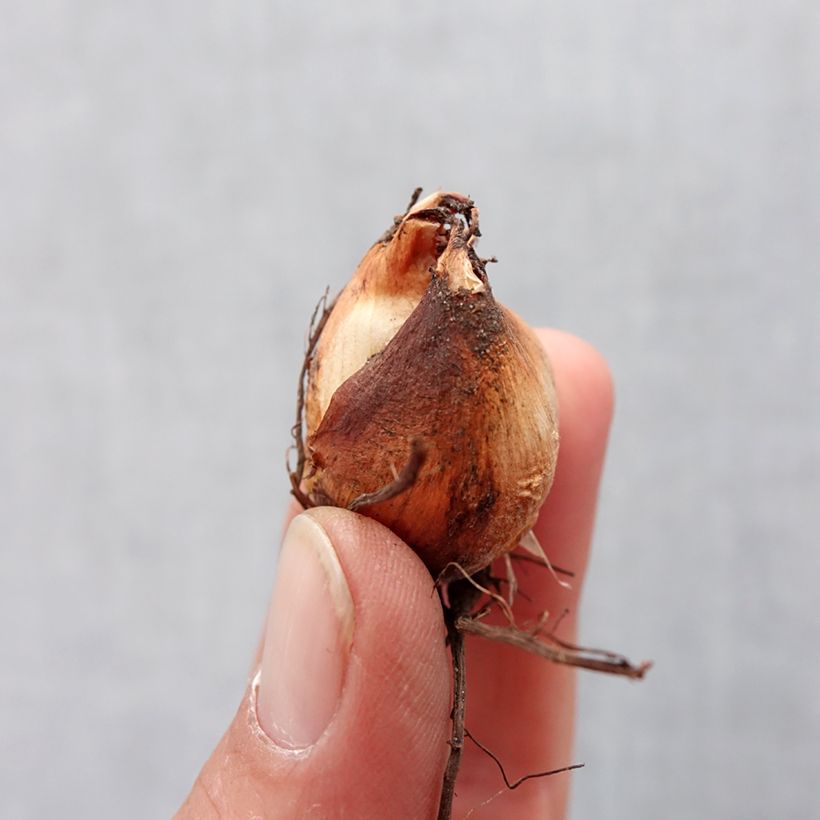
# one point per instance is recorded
(386, 288)
(462, 373)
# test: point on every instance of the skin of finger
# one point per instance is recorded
(520, 706)
(384, 751)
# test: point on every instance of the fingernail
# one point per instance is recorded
(307, 641)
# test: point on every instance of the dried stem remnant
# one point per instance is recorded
(461, 599)
(553, 649)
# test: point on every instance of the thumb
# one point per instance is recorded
(348, 715)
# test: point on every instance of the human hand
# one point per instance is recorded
(348, 715)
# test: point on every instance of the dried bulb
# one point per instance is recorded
(416, 349)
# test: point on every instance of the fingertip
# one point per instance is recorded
(347, 715)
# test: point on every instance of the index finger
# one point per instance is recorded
(520, 706)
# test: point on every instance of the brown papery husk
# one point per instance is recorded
(469, 379)
(387, 286)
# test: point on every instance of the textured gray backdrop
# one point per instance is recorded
(179, 182)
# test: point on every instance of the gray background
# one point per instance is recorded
(179, 182)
